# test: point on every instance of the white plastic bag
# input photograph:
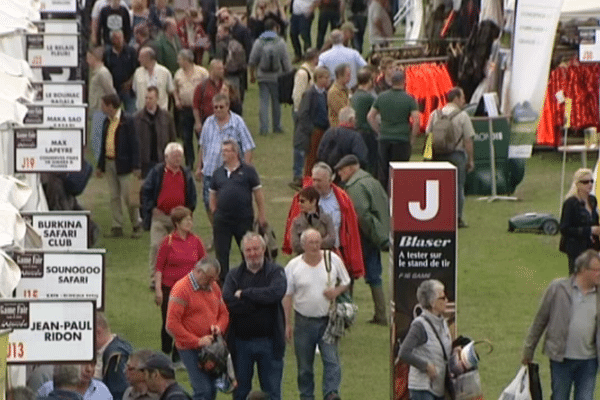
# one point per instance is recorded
(518, 389)
(467, 386)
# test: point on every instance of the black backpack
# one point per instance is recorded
(285, 84)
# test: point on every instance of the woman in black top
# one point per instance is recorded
(579, 218)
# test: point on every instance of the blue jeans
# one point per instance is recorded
(298, 166)
(300, 25)
(206, 180)
(459, 160)
(202, 384)
(326, 17)
(578, 373)
(308, 333)
(268, 90)
(128, 99)
(186, 124)
(372, 259)
(270, 370)
(423, 395)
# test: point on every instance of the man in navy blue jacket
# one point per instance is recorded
(253, 294)
(119, 158)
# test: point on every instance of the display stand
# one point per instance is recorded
(492, 111)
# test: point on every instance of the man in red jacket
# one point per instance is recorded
(338, 205)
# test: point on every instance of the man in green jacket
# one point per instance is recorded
(371, 204)
(168, 45)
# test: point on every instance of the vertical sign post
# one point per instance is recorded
(423, 233)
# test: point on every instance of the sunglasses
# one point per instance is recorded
(219, 107)
(586, 181)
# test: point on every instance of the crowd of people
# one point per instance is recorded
(163, 125)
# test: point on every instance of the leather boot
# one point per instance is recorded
(380, 306)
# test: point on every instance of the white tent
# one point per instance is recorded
(580, 9)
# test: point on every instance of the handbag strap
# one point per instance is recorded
(327, 261)
(437, 336)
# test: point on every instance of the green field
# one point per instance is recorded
(501, 275)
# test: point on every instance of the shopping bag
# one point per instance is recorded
(467, 386)
(518, 389)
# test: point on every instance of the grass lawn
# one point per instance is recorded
(501, 275)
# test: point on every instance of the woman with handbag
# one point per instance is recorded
(427, 345)
(579, 218)
(178, 253)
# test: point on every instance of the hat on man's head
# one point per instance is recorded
(348, 26)
(349, 159)
(159, 361)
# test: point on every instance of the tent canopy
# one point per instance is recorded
(581, 9)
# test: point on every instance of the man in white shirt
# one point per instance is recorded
(340, 54)
(310, 291)
(89, 388)
(150, 73)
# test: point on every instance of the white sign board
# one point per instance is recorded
(52, 50)
(48, 150)
(63, 93)
(57, 26)
(48, 331)
(51, 116)
(589, 46)
(63, 276)
(60, 230)
(58, 6)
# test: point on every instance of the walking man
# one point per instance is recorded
(119, 158)
(371, 204)
(399, 125)
(462, 156)
(570, 314)
(231, 190)
(270, 57)
(253, 293)
(168, 185)
(196, 314)
(310, 290)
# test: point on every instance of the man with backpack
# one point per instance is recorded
(452, 134)
(270, 57)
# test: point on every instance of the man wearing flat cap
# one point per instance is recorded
(159, 373)
(371, 206)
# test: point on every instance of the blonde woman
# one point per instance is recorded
(579, 218)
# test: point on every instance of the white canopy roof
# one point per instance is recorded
(581, 9)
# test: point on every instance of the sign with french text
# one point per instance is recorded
(48, 150)
(60, 230)
(59, 93)
(423, 214)
(52, 50)
(48, 330)
(53, 116)
(75, 275)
